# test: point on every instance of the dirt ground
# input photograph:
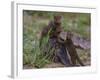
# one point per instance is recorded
(52, 65)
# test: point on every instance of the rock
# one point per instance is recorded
(78, 41)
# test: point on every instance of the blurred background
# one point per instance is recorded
(33, 23)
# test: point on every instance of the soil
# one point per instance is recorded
(52, 65)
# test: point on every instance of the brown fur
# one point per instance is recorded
(72, 50)
(54, 25)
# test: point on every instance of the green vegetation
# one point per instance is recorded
(34, 21)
